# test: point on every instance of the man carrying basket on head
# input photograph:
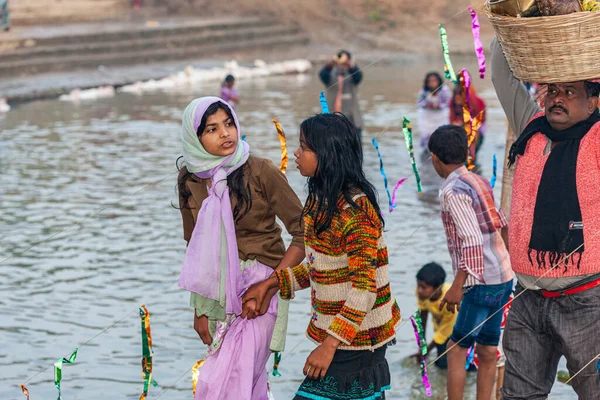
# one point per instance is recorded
(554, 235)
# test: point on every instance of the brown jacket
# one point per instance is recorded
(258, 233)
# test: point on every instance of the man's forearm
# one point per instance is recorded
(514, 97)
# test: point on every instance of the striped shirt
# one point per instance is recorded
(347, 271)
(472, 224)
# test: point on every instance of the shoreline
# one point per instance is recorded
(20, 90)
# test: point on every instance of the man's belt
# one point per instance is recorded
(578, 289)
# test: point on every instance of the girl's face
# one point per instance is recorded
(433, 82)
(306, 159)
(220, 137)
(457, 98)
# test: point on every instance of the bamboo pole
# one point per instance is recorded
(507, 174)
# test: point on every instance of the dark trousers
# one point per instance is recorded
(539, 331)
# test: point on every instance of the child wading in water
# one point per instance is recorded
(229, 200)
(431, 288)
(483, 278)
(354, 312)
(228, 92)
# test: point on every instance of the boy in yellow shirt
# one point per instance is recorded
(431, 289)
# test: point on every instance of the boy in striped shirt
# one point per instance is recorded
(483, 278)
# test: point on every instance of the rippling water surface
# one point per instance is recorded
(113, 160)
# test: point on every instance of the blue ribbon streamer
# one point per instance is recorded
(385, 180)
(470, 357)
(494, 171)
(324, 106)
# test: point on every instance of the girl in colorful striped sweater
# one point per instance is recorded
(354, 313)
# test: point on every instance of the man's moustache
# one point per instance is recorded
(559, 107)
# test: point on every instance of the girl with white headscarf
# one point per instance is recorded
(229, 203)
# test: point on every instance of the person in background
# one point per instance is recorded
(431, 288)
(483, 278)
(341, 78)
(476, 106)
(228, 92)
(4, 16)
(433, 104)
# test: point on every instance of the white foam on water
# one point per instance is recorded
(77, 95)
(4, 106)
(191, 75)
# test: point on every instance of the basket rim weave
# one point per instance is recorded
(550, 49)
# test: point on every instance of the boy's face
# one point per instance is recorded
(424, 291)
(437, 164)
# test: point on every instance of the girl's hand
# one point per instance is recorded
(201, 326)
(267, 301)
(319, 360)
(253, 299)
(259, 291)
(249, 309)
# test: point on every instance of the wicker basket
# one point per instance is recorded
(563, 48)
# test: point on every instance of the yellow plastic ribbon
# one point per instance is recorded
(282, 141)
(147, 352)
(196, 374)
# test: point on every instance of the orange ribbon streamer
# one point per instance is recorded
(196, 374)
(25, 391)
(282, 141)
(472, 125)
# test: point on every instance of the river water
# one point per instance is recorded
(113, 160)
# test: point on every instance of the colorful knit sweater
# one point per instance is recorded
(347, 270)
(528, 173)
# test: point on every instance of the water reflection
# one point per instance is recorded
(61, 162)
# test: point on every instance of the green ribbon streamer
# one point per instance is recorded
(276, 361)
(58, 369)
(422, 341)
(408, 138)
(448, 69)
(147, 357)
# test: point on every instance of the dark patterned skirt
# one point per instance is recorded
(352, 375)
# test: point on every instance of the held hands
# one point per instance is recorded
(258, 297)
(252, 309)
(267, 301)
(452, 299)
(201, 327)
(319, 360)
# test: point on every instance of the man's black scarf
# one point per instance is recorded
(557, 230)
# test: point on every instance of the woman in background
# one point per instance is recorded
(432, 104)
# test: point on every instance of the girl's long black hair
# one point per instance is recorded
(235, 180)
(336, 142)
(429, 75)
